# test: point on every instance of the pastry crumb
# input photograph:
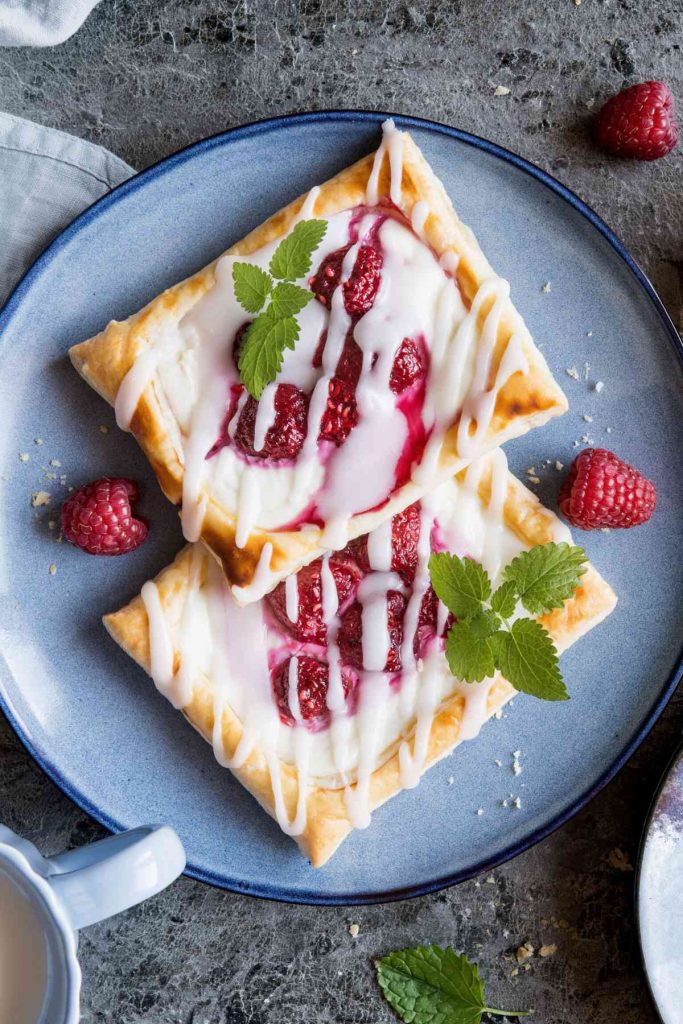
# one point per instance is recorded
(491, 880)
(52, 569)
(587, 417)
(354, 929)
(572, 372)
(517, 803)
(586, 370)
(501, 90)
(524, 952)
(547, 287)
(589, 334)
(585, 439)
(516, 764)
(577, 3)
(598, 386)
(24, 456)
(38, 440)
(559, 465)
(534, 479)
(451, 780)
(55, 462)
(619, 860)
(498, 763)
(104, 429)
(608, 430)
(480, 811)
(40, 498)
(604, 529)
(547, 950)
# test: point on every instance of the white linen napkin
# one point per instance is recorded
(46, 179)
(41, 22)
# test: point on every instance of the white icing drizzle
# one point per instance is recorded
(265, 416)
(132, 386)
(261, 581)
(372, 594)
(248, 505)
(392, 143)
(379, 547)
(418, 218)
(292, 597)
(449, 261)
(160, 646)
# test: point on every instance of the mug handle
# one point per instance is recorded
(97, 881)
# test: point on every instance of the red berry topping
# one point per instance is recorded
(341, 414)
(361, 287)
(638, 122)
(98, 518)
(350, 362)
(601, 490)
(309, 626)
(409, 366)
(350, 633)
(405, 535)
(327, 277)
(312, 686)
(426, 623)
(285, 438)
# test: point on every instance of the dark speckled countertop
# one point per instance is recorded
(144, 78)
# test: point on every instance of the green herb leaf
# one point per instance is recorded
(547, 575)
(292, 258)
(460, 583)
(287, 299)
(252, 286)
(263, 348)
(470, 657)
(431, 985)
(485, 624)
(504, 600)
(528, 659)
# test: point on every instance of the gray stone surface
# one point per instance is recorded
(144, 78)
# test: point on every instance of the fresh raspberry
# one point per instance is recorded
(427, 622)
(309, 626)
(312, 686)
(601, 490)
(98, 518)
(326, 279)
(285, 438)
(341, 413)
(350, 633)
(638, 122)
(409, 366)
(405, 535)
(362, 284)
(350, 362)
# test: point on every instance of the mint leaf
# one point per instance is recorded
(485, 624)
(547, 575)
(470, 657)
(292, 258)
(287, 299)
(504, 600)
(263, 348)
(460, 583)
(252, 286)
(528, 659)
(431, 985)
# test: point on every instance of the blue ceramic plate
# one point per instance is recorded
(659, 899)
(93, 720)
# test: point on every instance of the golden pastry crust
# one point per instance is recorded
(327, 820)
(526, 400)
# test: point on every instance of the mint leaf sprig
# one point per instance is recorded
(431, 985)
(276, 327)
(482, 639)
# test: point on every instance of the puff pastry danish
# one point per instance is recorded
(427, 352)
(332, 694)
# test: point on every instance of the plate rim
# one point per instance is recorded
(673, 762)
(309, 896)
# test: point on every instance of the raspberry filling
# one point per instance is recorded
(273, 430)
(296, 612)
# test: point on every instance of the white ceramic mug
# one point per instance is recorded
(43, 903)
